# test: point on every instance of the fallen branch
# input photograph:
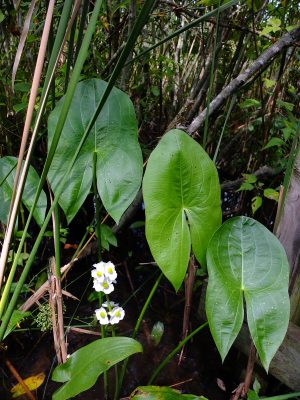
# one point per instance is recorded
(262, 173)
(18, 377)
(289, 39)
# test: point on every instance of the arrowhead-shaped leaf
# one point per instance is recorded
(182, 202)
(7, 175)
(161, 393)
(82, 369)
(246, 261)
(112, 142)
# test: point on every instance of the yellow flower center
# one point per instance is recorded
(105, 285)
(110, 271)
(118, 314)
(99, 273)
(102, 314)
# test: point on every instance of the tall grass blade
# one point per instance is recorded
(75, 76)
(29, 114)
(22, 41)
(59, 41)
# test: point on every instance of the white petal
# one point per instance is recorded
(101, 313)
(109, 304)
(95, 275)
(104, 321)
(110, 271)
(97, 286)
(109, 289)
(116, 314)
(100, 265)
(114, 320)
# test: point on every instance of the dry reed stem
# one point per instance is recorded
(7, 239)
(29, 114)
(18, 377)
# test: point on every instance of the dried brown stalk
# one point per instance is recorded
(18, 377)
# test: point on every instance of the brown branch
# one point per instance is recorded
(18, 377)
(261, 173)
(189, 284)
(43, 289)
(289, 39)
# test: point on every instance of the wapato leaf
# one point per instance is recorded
(7, 175)
(182, 202)
(161, 393)
(112, 144)
(82, 369)
(246, 261)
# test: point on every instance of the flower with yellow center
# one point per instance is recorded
(116, 315)
(99, 271)
(110, 271)
(101, 315)
(105, 286)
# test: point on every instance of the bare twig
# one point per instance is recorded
(53, 305)
(29, 114)
(86, 331)
(261, 173)
(249, 370)
(189, 284)
(289, 39)
(15, 373)
(56, 304)
(43, 289)
(19, 183)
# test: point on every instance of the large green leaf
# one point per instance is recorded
(246, 261)
(7, 175)
(82, 369)
(112, 144)
(161, 393)
(182, 202)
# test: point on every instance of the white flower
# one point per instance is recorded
(99, 271)
(105, 286)
(102, 316)
(110, 304)
(110, 271)
(116, 314)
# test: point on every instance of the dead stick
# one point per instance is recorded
(57, 316)
(42, 290)
(181, 383)
(52, 302)
(288, 39)
(189, 284)
(249, 370)
(86, 331)
(20, 380)
(60, 321)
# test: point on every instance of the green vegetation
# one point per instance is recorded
(202, 95)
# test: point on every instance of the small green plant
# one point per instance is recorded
(251, 183)
(43, 319)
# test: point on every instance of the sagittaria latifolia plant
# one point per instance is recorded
(245, 261)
